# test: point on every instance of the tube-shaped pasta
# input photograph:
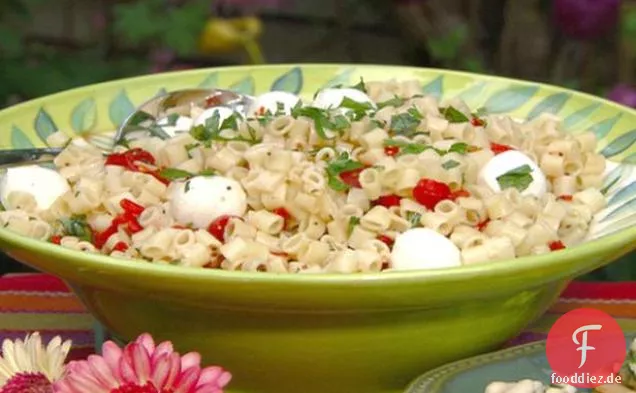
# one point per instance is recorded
(408, 179)
(266, 221)
(296, 244)
(591, 197)
(587, 141)
(594, 164)
(564, 185)
(315, 253)
(359, 237)
(370, 180)
(437, 222)
(378, 219)
(552, 165)
(373, 139)
(343, 262)
(312, 227)
(498, 206)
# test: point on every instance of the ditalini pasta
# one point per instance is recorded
(373, 177)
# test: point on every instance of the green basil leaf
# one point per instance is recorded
(174, 174)
(414, 218)
(353, 221)
(450, 164)
(360, 86)
(519, 178)
(395, 102)
(77, 226)
(454, 116)
(459, 147)
(404, 123)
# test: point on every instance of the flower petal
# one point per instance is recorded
(102, 372)
(126, 369)
(160, 371)
(175, 370)
(112, 354)
(191, 359)
(147, 342)
(210, 374)
(140, 362)
(188, 380)
(164, 347)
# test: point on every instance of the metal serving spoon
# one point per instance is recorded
(143, 119)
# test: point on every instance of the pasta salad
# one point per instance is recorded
(368, 178)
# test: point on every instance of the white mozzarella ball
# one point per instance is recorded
(506, 162)
(332, 98)
(224, 114)
(46, 185)
(202, 199)
(423, 248)
(270, 101)
(182, 124)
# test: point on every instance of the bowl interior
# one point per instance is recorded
(95, 111)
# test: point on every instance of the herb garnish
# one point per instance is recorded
(174, 174)
(322, 119)
(360, 86)
(519, 178)
(459, 147)
(450, 164)
(395, 102)
(187, 186)
(357, 109)
(77, 226)
(207, 172)
(353, 221)
(414, 218)
(341, 164)
(211, 131)
(406, 123)
(454, 116)
(409, 148)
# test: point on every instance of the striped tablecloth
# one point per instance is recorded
(30, 302)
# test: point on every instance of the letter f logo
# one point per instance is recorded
(584, 347)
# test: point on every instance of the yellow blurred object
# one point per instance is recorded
(229, 35)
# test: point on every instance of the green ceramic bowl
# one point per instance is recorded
(331, 333)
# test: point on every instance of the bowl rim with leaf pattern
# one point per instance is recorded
(505, 94)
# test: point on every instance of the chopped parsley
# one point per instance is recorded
(211, 131)
(341, 164)
(395, 102)
(454, 116)
(357, 109)
(174, 174)
(409, 148)
(519, 178)
(406, 123)
(414, 218)
(459, 147)
(77, 226)
(360, 86)
(172, 119)
(353, 221)
(322, 119)
(450, 164)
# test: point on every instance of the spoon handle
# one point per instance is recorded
(20, 157)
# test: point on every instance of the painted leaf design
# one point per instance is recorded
(435, 87)
(510, 99)
(244, 86)
(631, 159)
(341, 79)
(580, 115)
(44, 125)
(210, 81)
(623, 194)
(161, 92)
(291, 81)
(120, 108)
(604, 127)
(620, 144)
(628, 207)
(551, 104)
(84, 116)
(615, 177)
(19, 140)
(470, 95)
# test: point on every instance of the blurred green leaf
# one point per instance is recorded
(448, 47)
(140, 20)
(186, 24)
(10, 42)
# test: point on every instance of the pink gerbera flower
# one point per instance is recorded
(142, 367)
